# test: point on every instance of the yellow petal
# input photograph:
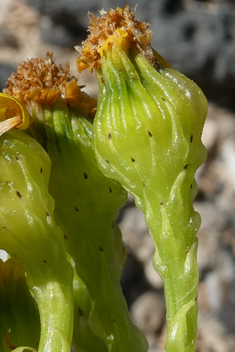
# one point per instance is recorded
(12, 114)
(161, 59)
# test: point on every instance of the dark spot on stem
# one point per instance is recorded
(10, 345)
(17, 158)
(44, 261)
(80, 312)
(109, 136)
(191, 138)
(48, 214)
(132, 159)
(41, 170)
(150, 134)
(186, 166)
(101, 249)
(163, 99)
(110, 190)
(102, 79)
(107, 161)
(18, 194)
(161, 202)
(65, 237)
(76, 208)
(85, 176)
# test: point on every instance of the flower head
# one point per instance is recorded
(148, 114)
(43, 81)
(37, 83)
(40, 80)
(116, 27)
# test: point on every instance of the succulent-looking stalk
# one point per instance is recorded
(86, 204)
(86, 210)
(147, 136)
(29, 234)
(83, 337)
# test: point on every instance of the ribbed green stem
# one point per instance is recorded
(83, 337)
(56, 329)
(174, 235)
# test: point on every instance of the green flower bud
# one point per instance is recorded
(30, 235)
(19, 319)
(147, 136)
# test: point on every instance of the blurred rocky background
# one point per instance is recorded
(198, 39)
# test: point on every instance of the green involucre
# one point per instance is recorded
(30, 235)
(147, 136)
(145, 117)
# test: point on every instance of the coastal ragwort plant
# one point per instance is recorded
(66, 175)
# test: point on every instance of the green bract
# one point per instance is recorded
(29, 234)
(150, 124)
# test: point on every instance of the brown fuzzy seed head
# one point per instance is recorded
(40, 80)
(112, 27)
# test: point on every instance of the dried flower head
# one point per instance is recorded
(42, 81)
(39, 81)
(116, 27)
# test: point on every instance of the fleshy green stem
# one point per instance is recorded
(175, 261)
(56, 327)
(30, 235)
(83, 337)
(86, 205)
